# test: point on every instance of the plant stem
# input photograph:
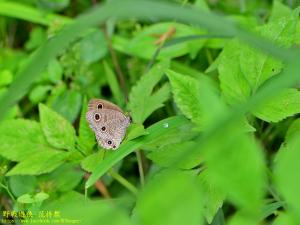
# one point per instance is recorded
(8, 191)
(124, 182)
(140, 166)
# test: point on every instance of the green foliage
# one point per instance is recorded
(142, 100)
(41, 162)
(162, 187)
(58, 131)
(214, 101)
(86, 138)
(21, 139)
(286, 167)
(284, 104)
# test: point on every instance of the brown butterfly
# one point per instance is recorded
(108, 122)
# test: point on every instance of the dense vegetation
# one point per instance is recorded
(212, 88)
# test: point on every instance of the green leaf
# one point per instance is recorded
(286, 171)
(86, 138)
(170, 198)
(37, 37)
(113, 84)
(64, 178)
(142, 100)
(212, 197)
(55, 71)
(196, 99)
(39, 93)
(24, 12)
(21, 139)
(284, 104)
(234, 85)
(41, 162)
(239, 218)
(28, 199)
(155, 132)
(93, 46)
(143, 44)
(271, 209)
(92, 161)
(25, 199)
(245, 184)
(68, 104)
(167, 155)
(20, 185)
(243, 69)
(89, 212)
(285, 219)
(279, 10)
(58, 131)
(6, 77)
(40, 197)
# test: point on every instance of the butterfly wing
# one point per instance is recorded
(98, 104)
(109, 126)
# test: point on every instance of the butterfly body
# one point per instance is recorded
(108, 122)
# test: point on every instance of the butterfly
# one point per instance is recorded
(108, 122)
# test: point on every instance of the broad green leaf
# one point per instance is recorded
(113, 83)
(25, 199)
(279, 10)
(231, 149)
(284, 104)
(93, 46)
(58, 131)
(64, 178)
(234, 84)
(28, 199)
(167, 155)
(170, 198)
(21, 139)
(40, 197)
(92, 161)
(143, 44)
(20, 185)
(196, 99)
(286, 171)
(68, 104)
(142, 100)
(243, 69)
(41, 162)
(293, 130)
(285, 219)
(212, 197)
(86, 138)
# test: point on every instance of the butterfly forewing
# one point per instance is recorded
(108, 123)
